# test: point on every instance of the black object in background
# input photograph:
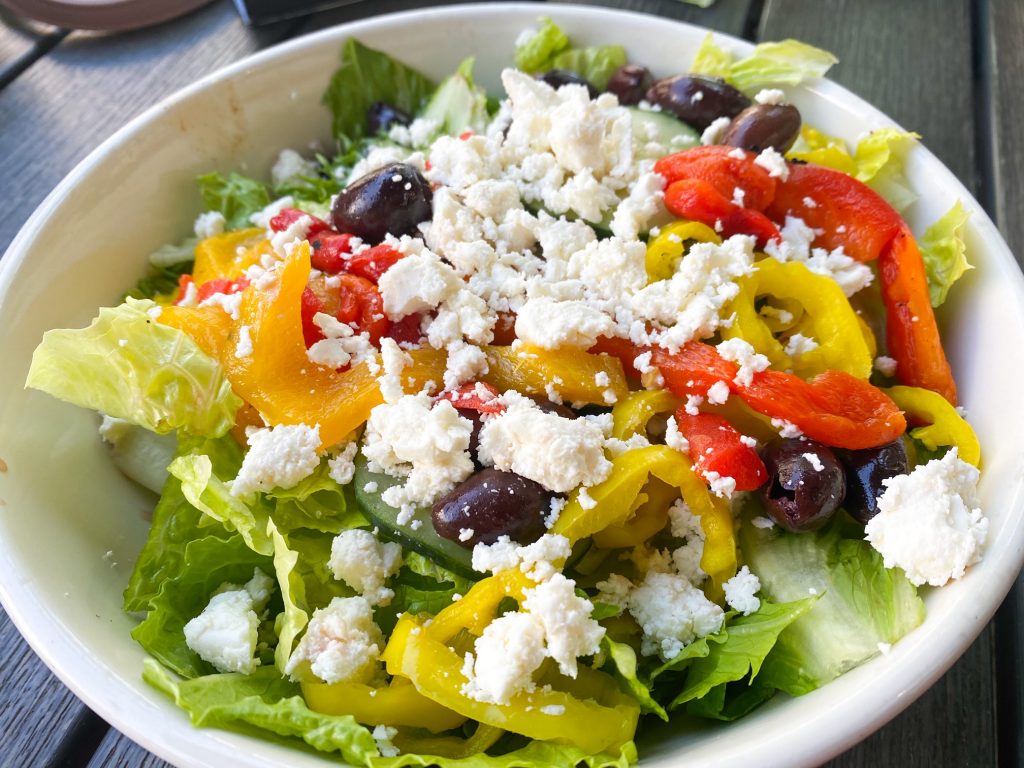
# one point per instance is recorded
(257, 12)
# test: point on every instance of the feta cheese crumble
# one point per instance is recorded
(741, 592)
(278, 457)
(341, 643)
(365, 564)
(224, 634)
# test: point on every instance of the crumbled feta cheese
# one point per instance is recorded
(554, 510)
(885, 366)
(674, 438)
(799, 344)
(761, 522)
(773, 162)
(672, 614)
(815, 461)
(291, 166)
(466, 362)
(508, 652)
(742, 353)
(553, 709)
(394, 361)
(539, 560)
(229, 302)
(278, 457)
(262, 217)
(851, 275)
(365, 564)
(209, 224)
(225, 633)
(569, 631)
(643, 204)
(551, 324)
(341, 643)
(434, 457)
(718, 393)
(465, 534)
(557, 452)
(341, 467)
(614, 590)
(748, 441)
(771, 96)
(741, 592)
(383, 734)
(715, 132)
(930, 523)
(341, 345)
(720, 485)
(884, 648)
(787, 429)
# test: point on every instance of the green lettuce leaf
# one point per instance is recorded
(205, 565)
(363, 77)
(317, 502)
(293, 619)
(537, 754)
(548, 48)
(731, 701)
(943, 250)
(458, 104)
(787, 62)
(265, 701)
(131, 367)
(861, 603)
(623, 658)
(879, 161)
(237, 197)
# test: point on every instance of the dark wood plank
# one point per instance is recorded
(730, 16)
(926, 86)
(118, 751)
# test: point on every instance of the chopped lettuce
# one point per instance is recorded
(623, 658)
(861, 603)
(317, 502)
(787, 62)
(266, 701)
(235, 196)
(943, 250)
(548, 48)
(293, 619)
(458, 104)
(364, 77)
(131, 367)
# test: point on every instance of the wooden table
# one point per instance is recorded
(950, 69)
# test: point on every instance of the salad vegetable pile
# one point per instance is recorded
(520, 421)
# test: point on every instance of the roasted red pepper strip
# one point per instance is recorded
(715, 446)
(699, 201)
(373, 262)
(911, 332)
(479, 396)
(833, 407)
(350, 299)
(288, 216)
(724, 168)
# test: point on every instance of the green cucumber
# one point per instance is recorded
(661, 128)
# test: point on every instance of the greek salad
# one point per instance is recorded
(511, 422)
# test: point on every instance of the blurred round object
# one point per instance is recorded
(102, 15)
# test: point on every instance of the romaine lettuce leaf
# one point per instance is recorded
(237, 197)
(533, 53)
(623, 658)
(317, 502)
(289, 623)
(363, 77)
(131, 367)
(861, 603)
(943, 250)
(787, 62)
(458, 104)
(548, 48)
(266, 701)
(206, 564)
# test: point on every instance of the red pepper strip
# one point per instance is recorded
(288, 216)
(221, 285)
(373, 262)
(479, 396)
(847, 212)
(715, 446)
(833, 408)
(699, 201)
(911, 332)
(725, 169)
(354, 300)
(330, 251)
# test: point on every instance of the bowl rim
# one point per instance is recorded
(817, 744)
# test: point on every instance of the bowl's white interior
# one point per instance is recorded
(63, 506)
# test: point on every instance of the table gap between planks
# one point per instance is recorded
(959, 85)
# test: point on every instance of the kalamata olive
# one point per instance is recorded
(492, 503)
(393, 199)
(806, 484)
(475, 418)
(556, 78)
(696, 99)
(551, 407)
(762, 126)
(865, 471)
(630, 82)
(381, 116)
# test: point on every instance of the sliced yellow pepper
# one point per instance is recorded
(665, 250)
(631, 415)
(945, 426)
(397, 704)
(571, 372)
(630, 472)
(821, 149)
(829, 319)
(229, 255)
(649, 518)
(477, 608)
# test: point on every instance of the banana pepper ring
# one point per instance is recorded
(398, 704)
(944, 425)
(665, 250)
(828, 318)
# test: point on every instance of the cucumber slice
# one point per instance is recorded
(658, 133)
(423, 539)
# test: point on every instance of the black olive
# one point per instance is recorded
(556, 78)
(806, 484)
(630, 82)
(551, 407)
(492, 503)
(697, 99)
(865, 471)
(762, 126)
(390, 200)
(476, 419)
(381, 116)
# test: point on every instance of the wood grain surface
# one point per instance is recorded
(951, 70)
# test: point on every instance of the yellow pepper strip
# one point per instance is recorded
(781, 315)
(571, 372)
(631, 415)
(477, 608)
(823, 150)
(395, 705)
(277, 378)
(649, 518)
(830, 320)
(451, 747)
(629, 474)
(744, 418)
(665, 250)
(436, 670)
(229, 255)
(945, 425)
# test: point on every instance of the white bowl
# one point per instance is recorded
(63, 506)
